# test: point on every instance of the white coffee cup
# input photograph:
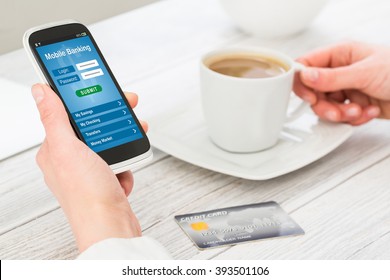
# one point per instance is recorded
(247, 114)
(272, 19)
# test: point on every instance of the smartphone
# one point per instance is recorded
(66, 57)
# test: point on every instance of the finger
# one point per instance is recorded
(337, 55)
(334, 79)
(53, 115)
(369, 113)
(303, 92)
(132, 98)
(352, 111)
(325, 57)
(327, 111)
(349, 112)
(145, 126)
(331, 110)
(126, 180)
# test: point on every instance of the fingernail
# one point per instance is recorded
(37, 93)
(310, 74)
(331, 115)
(373, 112)
(352, 112)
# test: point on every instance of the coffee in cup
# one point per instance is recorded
(245, 96)
(244, 66)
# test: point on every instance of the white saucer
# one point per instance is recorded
(182, 133)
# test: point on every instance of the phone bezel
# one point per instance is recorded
(113, 156)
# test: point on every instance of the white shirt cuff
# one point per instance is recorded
(137, 248)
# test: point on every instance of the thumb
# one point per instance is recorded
(52, 112)
(333, 79)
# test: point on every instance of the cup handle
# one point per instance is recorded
(304, 106)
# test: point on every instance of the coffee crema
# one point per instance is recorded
(248, 66)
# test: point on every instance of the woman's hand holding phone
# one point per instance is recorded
(92, 197)
(67, 58)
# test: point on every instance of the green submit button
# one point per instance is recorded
(89, 90)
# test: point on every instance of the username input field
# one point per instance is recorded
(87, 64)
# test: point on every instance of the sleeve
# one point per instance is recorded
(138, 248)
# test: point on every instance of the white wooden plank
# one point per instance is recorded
(296, 188)
(337, 224)
(23, 193)
(173, 187)
(157, 186)
(378, 249)
(50, 229)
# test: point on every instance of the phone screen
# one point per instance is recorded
(91, 96)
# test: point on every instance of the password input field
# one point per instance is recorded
(92, 74)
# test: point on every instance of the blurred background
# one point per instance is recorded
(16, 16)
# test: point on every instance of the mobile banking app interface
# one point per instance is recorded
(89, 93)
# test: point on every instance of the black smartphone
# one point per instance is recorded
(66, 57)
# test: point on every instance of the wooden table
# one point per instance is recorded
(342, 200)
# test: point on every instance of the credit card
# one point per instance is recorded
(232, 225)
